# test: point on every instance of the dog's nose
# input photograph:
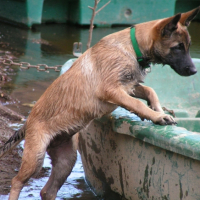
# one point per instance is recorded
(191, 70)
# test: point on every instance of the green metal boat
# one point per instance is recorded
(126, 158)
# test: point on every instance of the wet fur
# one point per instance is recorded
(104, 77)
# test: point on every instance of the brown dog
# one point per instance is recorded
(103, 78)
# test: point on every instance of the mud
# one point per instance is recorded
(10, 163)
(10, 120)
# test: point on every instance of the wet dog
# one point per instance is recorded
(106, 76)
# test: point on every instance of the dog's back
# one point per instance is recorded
(75, 98)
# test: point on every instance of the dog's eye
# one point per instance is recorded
(180, 46)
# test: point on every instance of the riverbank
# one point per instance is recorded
(10, 163)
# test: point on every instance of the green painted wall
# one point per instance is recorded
(29, 12)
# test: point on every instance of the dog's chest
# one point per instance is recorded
(131, 76)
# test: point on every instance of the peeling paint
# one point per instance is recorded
(94, 147)
(181, 190)
(113, 145)
(153, 161)
(157, 150)
(145, 183)
(172, 138)
(179, 136)
(82, 147)
(127, 165)
(121, 178)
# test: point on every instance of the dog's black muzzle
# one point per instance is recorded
(184, 66)
(191, 70)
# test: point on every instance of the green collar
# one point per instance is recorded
(140, 58)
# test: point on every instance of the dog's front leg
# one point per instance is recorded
(120, 97)
(148, 94)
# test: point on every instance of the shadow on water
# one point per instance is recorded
(52, 45)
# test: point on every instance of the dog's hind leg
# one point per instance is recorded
(63, 152)
(32, 160)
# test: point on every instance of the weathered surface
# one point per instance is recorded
(10, 163)
(173, 138)
(10, 114)
(123, 156)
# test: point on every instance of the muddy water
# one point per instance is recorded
(51, 45)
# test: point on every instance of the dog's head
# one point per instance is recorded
(171, 42)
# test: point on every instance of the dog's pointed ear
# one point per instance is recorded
(169, 25)
(187, 17)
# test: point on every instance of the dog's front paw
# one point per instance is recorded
(163, 119)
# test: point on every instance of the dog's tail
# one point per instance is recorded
(13, 141)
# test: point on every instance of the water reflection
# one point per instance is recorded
(51, 45)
